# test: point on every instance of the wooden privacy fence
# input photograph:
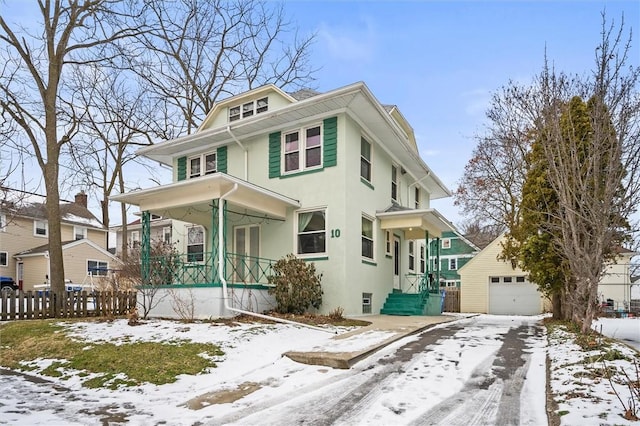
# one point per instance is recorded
(41, 304)
(452, 299)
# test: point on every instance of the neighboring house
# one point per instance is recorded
(335, 178)
(492, 286)
(451, 253)
(161, 229)
(614, 289)
(24, 232)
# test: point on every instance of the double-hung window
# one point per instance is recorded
(135, 239)
(303, 149)
(394, 183)
(201, 165)
(166, 234)
(365, 159)
(417, 197)
(412, 256)
(453, 264)
(422, 259)
(367, 237)
(311, 232)
(446, 243)
(97, 268)
(4, 258)
(79, 232)
(195, 244)
(40, 228)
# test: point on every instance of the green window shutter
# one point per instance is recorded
(330, 141)
(221, 158)
(274, 155)
(182, 168)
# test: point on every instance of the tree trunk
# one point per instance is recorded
(556, 303)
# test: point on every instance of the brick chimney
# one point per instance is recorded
(81, 199)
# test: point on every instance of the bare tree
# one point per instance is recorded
(490, 189)
(35, 96)
(202, 50)
(593, 152)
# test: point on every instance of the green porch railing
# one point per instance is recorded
(202, 268)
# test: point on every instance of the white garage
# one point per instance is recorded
(491, 286)
(513, 296)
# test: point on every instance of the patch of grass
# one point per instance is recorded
(139, 362)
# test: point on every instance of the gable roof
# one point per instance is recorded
(33, 206)
(356, 100)
(44, 249)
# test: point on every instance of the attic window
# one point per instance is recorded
(248, 109)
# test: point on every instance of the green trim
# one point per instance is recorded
(274, 154)
(314, 259)
(221, 159)
(367, 183)
(182, 168)
(330, 141)
(368, 262)
(304, 172)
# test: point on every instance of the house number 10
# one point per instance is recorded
(335, 233)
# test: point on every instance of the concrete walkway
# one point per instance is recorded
(392, 327)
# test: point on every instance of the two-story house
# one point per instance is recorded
(334, 178)
(161, 229)
(450, 254)
(24, 245)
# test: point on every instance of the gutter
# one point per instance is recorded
(221, 252)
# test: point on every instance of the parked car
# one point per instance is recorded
(8, 284)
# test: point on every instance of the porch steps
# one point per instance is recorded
(404, 304)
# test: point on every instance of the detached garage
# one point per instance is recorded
(491, 286)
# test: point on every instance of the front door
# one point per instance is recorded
(246, 247)
(396, 262)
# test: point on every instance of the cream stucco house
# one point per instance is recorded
(335, 178)
(492, 286)
(24, 246)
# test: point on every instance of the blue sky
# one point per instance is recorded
(440, 61)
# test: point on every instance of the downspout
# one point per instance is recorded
(221, 256)
(246, 153)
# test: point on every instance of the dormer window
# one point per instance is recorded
(248, 109)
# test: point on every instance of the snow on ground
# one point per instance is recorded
(253, 354)
(626, 330)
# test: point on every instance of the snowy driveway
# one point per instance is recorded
(482, 370)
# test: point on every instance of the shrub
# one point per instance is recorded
(297, 286)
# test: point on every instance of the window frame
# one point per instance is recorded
(411, 250)
(445, 243)
(302, 149)
(416, 196)
(364, 160)
(135, 239)
(166, 230)
(98, 268)
(84, 232)
(423, 263)
(248, 109)
(387, 242)
(45, 227)
(196, 256)
(203, 164)
(453, 264)
(364, 237)
(297, 233)
(6, 259)
(394, 183)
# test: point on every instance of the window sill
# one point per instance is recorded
(300, 173)
(314, 259)
(367, 183)
(369, 262)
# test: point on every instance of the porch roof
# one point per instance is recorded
(190, 200)
(415, 222)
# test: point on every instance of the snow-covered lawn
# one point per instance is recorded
(253, 360)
